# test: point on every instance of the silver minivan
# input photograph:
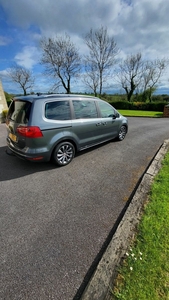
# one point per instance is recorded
(45, 127)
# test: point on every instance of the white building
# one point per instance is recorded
(3, 103)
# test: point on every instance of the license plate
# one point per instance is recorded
(13, 137)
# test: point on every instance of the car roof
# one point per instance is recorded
(32, 98)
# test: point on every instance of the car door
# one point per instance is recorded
(85, 123)
(109, 122)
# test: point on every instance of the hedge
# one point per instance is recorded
(151, 106)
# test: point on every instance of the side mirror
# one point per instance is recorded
(115, 116)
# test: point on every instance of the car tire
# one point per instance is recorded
(63, 154)
(122, 133)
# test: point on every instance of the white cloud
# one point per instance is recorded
(144, 23)
(137, 25)
(75, 16)
(4, 73)
(28, 57)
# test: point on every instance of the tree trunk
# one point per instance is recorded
(100, 83)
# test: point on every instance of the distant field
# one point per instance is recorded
(141, 113)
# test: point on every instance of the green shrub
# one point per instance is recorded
(4, 113)
(150, 106)
(121, 104)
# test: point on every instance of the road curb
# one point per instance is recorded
(100, 284)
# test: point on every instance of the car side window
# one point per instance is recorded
(84, 109)
(58, 110)
(106, 110)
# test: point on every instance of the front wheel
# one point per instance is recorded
(63, 154)
(122, 133)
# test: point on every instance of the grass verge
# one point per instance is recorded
(141, 113)
(144, 273)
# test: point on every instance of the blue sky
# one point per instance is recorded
(136, 25)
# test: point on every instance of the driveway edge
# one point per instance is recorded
(99, 287)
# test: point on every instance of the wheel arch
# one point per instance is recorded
(61, 141)
(126, 125)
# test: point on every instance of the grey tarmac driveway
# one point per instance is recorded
(54, 221)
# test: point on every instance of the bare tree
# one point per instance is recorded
(23, 77)
(102, 52)
(153, 71)
(130, 72)
(61, 60)
(91, 77)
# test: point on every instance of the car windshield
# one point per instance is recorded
(19, 111)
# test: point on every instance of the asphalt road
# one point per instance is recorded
(54, 221)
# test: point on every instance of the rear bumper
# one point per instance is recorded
(29, 154)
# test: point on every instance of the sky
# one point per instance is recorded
(136, 26)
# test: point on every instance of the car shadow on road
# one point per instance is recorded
(12, 167)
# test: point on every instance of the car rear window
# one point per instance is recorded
(19, 111)
(58, 110)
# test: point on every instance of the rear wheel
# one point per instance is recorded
(122, 133)
(63, 153)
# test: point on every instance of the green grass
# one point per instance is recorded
(144, 274)
(140, 113)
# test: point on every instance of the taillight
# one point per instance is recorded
(30, 131)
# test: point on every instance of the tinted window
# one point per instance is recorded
(84, 109)
(58, 110)
(106, 110)
(19, 111)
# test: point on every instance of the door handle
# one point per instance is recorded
(98, 124)
(104, 123)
